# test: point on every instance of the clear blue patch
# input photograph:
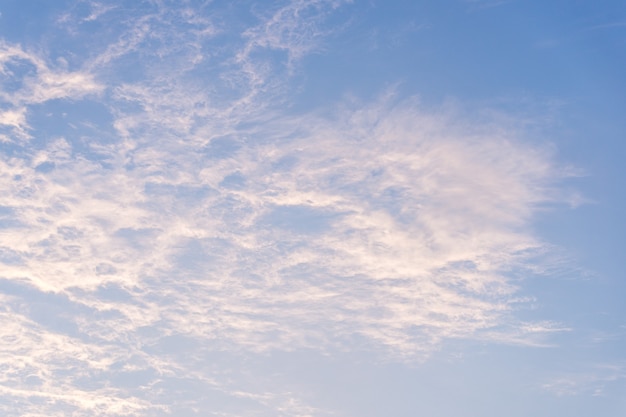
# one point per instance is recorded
(105, 269)
(15, 73)
(8, 218)
(234, 181)
(79, 122)
(138, 238)
(179, 194)
(193, 255)
(299, 219)
(69, 233)
(113, 292)
(51, 310)
(286, 163)
(221, 148)
(45, 167)
(9, 256)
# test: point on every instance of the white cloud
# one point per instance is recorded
(213, 217)
(385, 222)
(294, 28)
(27, 80)
(38, 82)
(36, 362)
(16, 119)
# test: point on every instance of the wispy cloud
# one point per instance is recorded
(295, 28)
(486, 4)
(212, 218)
(610, 25)
(384, 222)
(595, 380)
(27, 80)
(35, 81)
(15, 120)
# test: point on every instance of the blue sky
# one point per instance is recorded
(312, 208)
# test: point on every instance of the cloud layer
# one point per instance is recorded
(189, 212)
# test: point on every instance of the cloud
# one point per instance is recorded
(295, 28)
(40, 365)
(15, 119)
(203, 216)
(386, 222)
(486, 4)
(611, 25)
(28, 80)
(595, 380)
(33, 81)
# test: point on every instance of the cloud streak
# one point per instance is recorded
(594, 380)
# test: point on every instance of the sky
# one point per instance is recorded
(312, 208)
